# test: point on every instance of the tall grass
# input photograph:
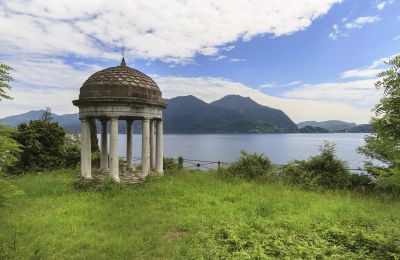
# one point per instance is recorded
(191, 215)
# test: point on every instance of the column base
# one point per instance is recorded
(130, 170)
(104, 170)
(157, 173)
(116, 179)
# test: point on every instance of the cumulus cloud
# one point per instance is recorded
(360, 93)
(172, 31)
(361, 21)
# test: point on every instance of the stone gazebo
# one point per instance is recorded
(121, 93)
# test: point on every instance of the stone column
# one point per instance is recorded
(129, 151)
(86, 160)
(152, 164)
(159, 146)
(104, 148)
(145, 147)
(114, 161)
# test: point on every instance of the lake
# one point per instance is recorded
(280, 148)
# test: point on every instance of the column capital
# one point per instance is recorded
(114, 117)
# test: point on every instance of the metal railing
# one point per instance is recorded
(215, 165)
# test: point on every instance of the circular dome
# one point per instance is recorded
(120, 83)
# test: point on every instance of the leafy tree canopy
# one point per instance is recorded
(384, 143)
(43, 145)
(5, 79)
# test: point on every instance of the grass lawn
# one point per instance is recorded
(191, 215)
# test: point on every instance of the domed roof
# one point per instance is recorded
(120, 83)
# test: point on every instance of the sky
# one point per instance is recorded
(314, 59)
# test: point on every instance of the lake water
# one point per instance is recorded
(280, 148)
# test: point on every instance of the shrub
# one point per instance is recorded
(250, 166)
(170, 165)
(323, 170)
(362, 182)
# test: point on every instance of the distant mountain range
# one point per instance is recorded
(334, 126)
(188, 114)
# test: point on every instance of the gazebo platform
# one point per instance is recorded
(133, 177)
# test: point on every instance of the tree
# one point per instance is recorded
(43, 145)
(5, 79)
(9, 148)
(46, 115)
(384, 143)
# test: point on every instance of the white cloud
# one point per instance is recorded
(236, 60)
(268, 85)
(276, 85)
(172, 31)
(336, 32)
(361, 21)
(361, 93)
(383, 4)
(221, 57)
(361, 73)
(367, 72)
(340, 30)
(396, 38)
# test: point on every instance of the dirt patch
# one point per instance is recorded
(173, 234)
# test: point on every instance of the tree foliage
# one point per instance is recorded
(9, 148)
(5, 79)
(324, 170)
(43, 145)
(384, 143)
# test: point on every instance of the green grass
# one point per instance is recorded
(192, 215)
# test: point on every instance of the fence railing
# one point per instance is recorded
(214, 165)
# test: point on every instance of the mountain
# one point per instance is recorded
(313, 129)
(188, 114)
(363, 128)
(68, 121)
(337, 126)
(265, 119)
(231, 114)
(331, 125)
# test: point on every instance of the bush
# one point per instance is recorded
(250, 166)
(170, 165)
(323, 170)
(362, 182)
